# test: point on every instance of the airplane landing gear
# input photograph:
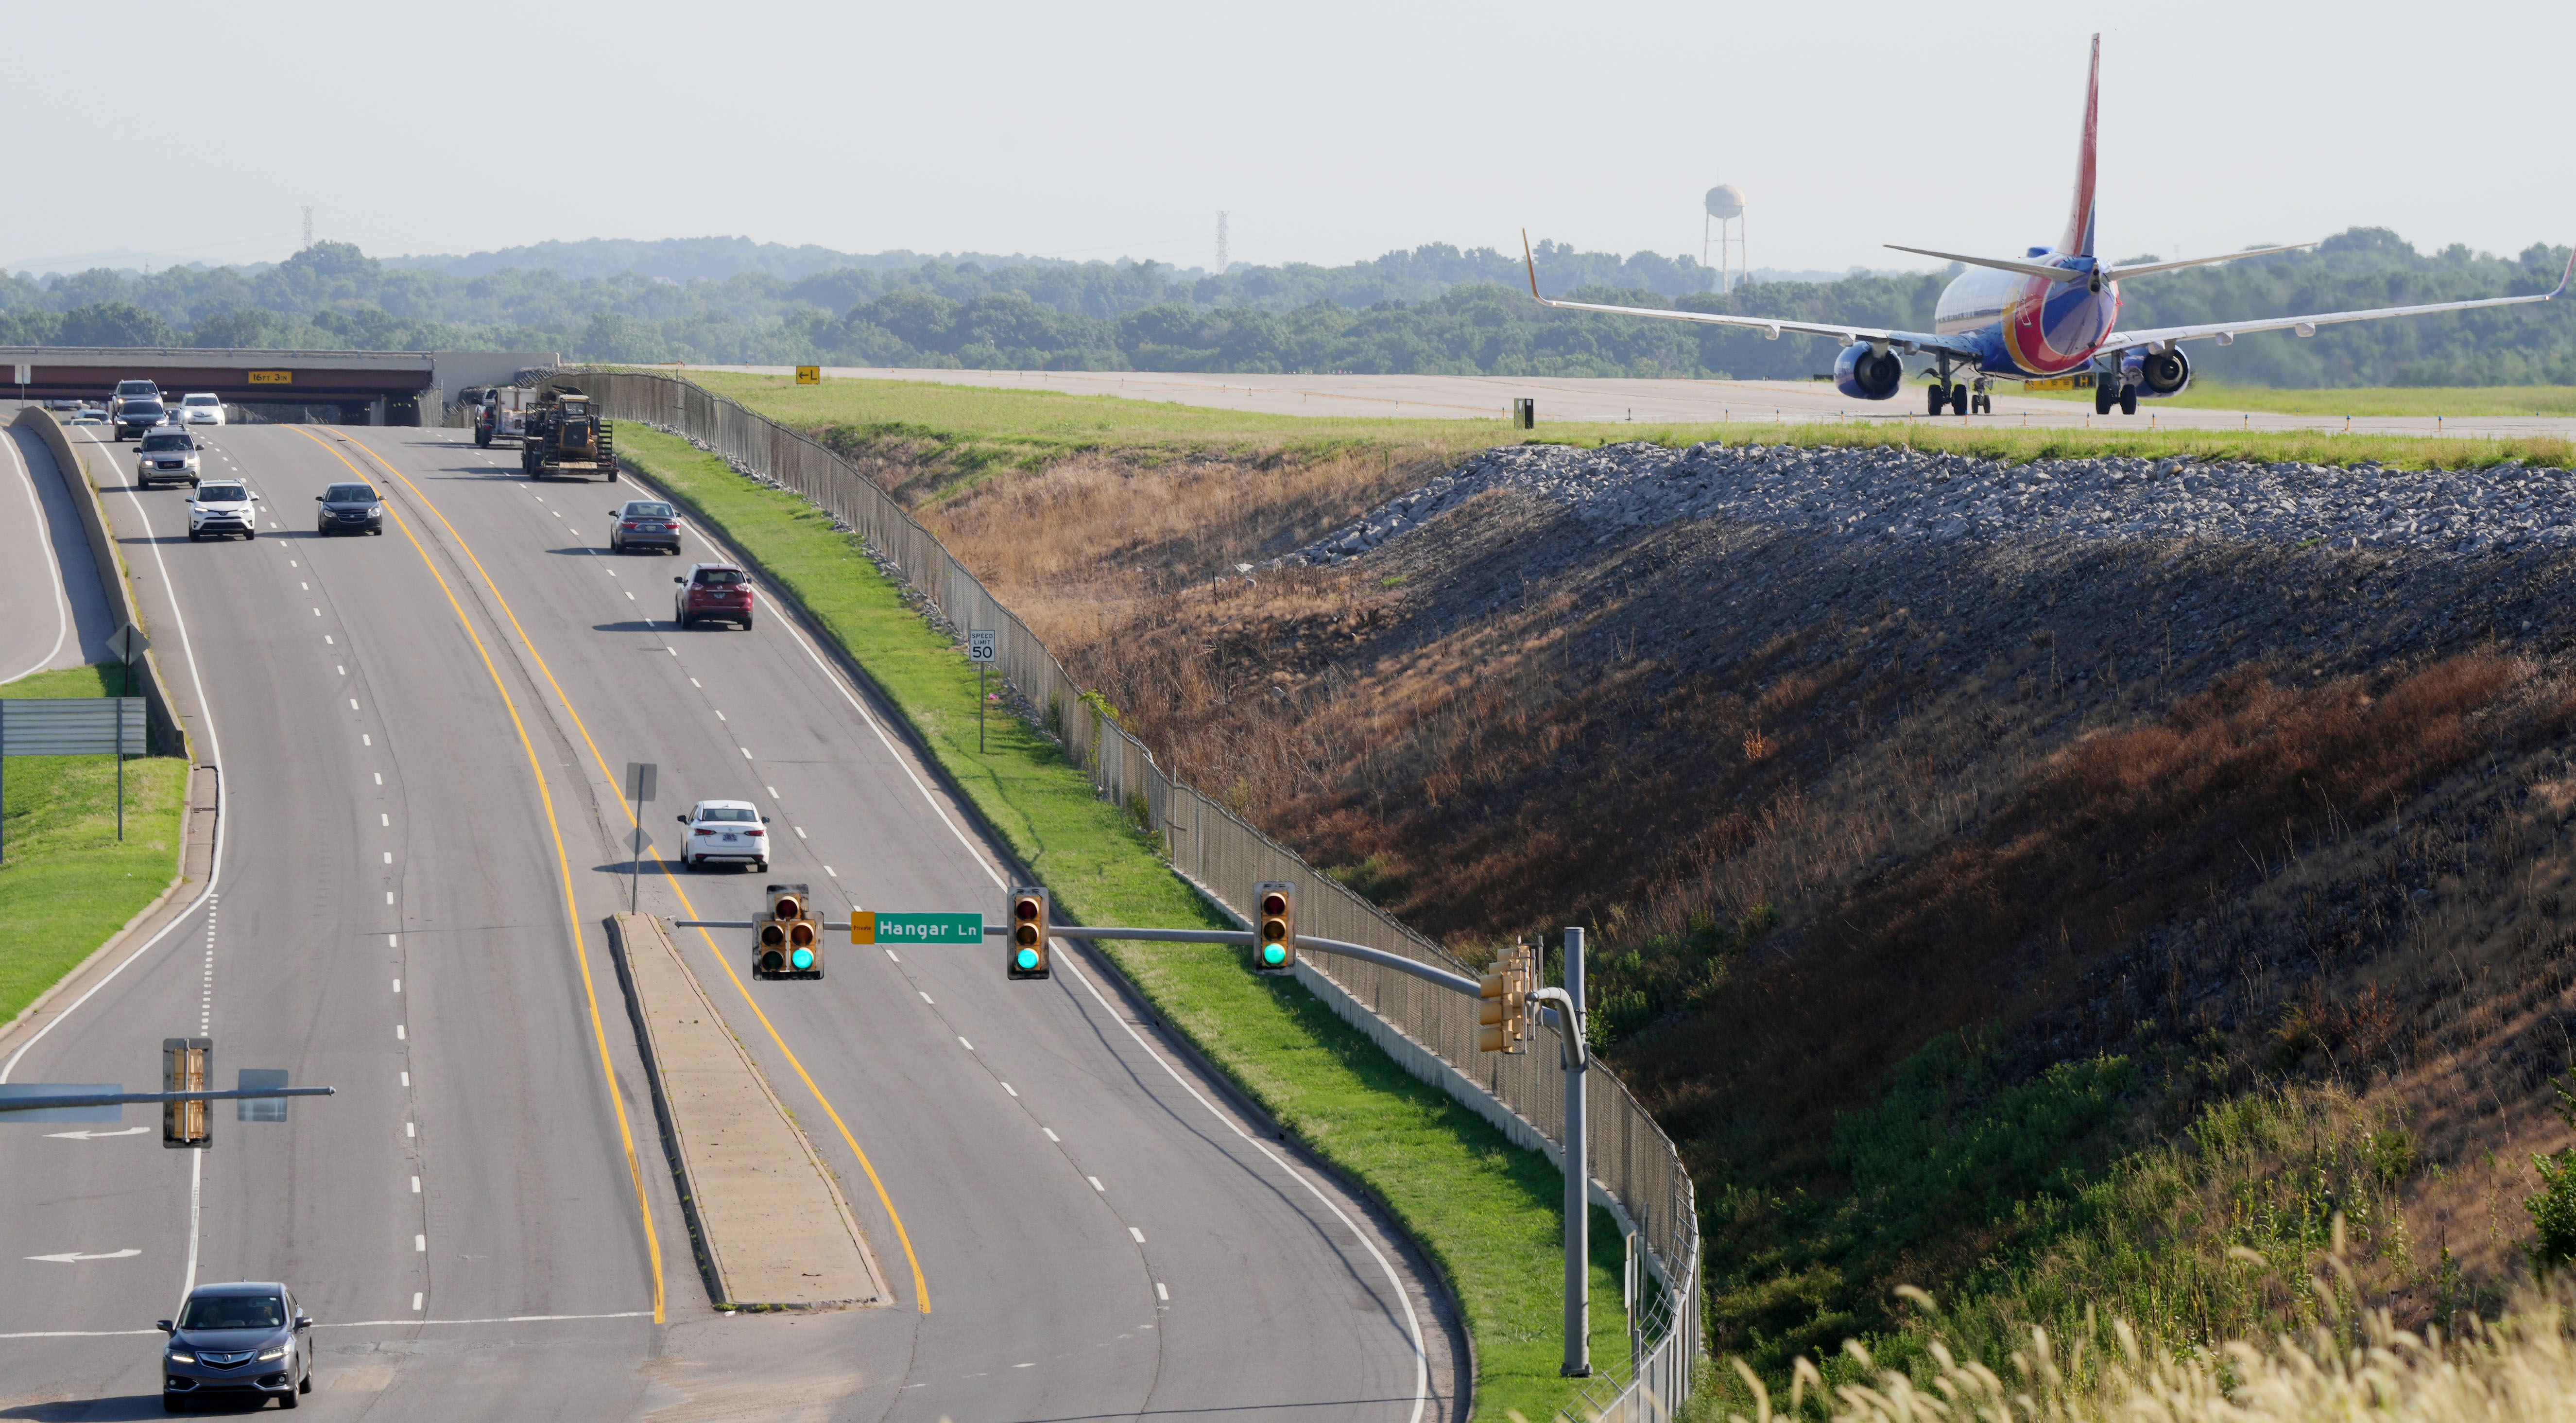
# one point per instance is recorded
(1983, 402)
(2128, 400)
(1940, 396)
(1949, 394)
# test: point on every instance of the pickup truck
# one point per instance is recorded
(503, 415)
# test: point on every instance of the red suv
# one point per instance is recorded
(712, 590)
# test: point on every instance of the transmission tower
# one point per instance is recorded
(1221, 262)
(308, 224)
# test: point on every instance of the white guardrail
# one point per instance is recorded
(1637, 1175)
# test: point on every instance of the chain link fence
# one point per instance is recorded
(1636, 1172)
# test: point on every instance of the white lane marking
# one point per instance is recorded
(773, 791)
(87, 1135)
(925, 997)
(389, 941)
(389, 896)
(79, 1334)
(317, 612)
(800, 831)
(1160, 1292)
(1095, 1183)
(415, 1299)
(386, 819)
(62, 602)
(397, 985)
(406, 1079)
(415, 1185)
(970, 1047)
(353, 704)
(343, 671)
(1140, 1235)
(389, 857)
(746, 752)
(380, 778)
(512, 1319)
(692, 681)
(365, 740)
(890, 954)
(720, 716)
(676, 652)
(398, 1037)
(1051, 1136)
(1007, 1087)
(307, 587)
(70, 1257)
(419, 1243)
(827, 869)
(630, 597)
(411, 1130)
(326, 638)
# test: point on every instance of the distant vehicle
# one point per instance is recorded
(88, 417)
(350, 509)
(166, 455)
(501, 413)
(712, 590)
(62, 402)
(566, 434)
(2052, 313)
(238, 1342)
(725, 832)
(202, 408)
(225, 508)
(643, 523)
(137, 413)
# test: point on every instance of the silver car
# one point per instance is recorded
(166, 453)
(245, 1342)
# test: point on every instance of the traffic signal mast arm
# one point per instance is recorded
(117, 1099)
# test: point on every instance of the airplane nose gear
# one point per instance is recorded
(1983, 402)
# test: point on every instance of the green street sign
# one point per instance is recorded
(868, 926)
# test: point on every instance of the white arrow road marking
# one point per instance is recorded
(95, 1135)
(70, 1256)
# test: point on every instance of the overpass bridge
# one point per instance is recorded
(355, 387)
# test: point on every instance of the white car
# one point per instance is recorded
(223, 506)
(725, 832)
(203, 408)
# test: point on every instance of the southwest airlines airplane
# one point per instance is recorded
(2052, 313)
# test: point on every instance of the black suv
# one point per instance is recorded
(241, 1341)
(350, 509)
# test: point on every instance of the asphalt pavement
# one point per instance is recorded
(56, 610)
(421, 736)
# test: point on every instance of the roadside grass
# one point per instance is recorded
(65, 882)
(2421, 400)
(968, 434)
(1485, 1210)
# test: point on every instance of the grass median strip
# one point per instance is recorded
(65, 881)
(1488, 1211)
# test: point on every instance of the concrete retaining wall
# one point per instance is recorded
(168, 735)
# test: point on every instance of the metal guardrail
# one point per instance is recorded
(1633, 1163)
(73, 726)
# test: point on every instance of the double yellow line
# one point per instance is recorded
(920, 1288)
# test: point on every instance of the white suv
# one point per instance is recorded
(725, 832)
(223, 507)
(202, 408)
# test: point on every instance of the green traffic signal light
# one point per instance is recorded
(802, 958)
(1273, 955)
(1026, 958)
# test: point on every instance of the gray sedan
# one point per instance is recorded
(240, 1341)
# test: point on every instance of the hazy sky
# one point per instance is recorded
(1330, 131)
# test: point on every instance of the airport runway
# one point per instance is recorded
(420, 736)
(56, 608)
(1574, 400)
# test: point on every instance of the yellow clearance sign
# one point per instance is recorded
(809, 375)
(2082, 380)
(272, 377)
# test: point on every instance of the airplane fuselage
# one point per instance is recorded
(2028, 327)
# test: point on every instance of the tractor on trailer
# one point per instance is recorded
(566, 434)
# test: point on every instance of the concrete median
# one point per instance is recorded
(770, 1225)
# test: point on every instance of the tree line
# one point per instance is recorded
(1435, 309)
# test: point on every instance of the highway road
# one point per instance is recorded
(420, 737)
(56, 614)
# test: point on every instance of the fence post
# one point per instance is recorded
(1578, 1176)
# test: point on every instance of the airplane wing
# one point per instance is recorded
(2149, 269)
(1909, 342)
(2227, 331)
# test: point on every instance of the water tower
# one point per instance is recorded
(1725, 205)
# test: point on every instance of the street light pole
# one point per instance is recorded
(1578, 1171)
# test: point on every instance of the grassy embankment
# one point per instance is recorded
(971, 434)
(1487, 1210)
(65, 882)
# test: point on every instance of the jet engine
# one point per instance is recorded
(2161, 373)
(1866, 373)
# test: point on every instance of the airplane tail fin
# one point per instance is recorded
(2079, 223)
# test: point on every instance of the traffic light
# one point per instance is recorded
(187, 1065)
(790, 940)
(1503, 1003)
(1027, 917)
(1274, 942)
